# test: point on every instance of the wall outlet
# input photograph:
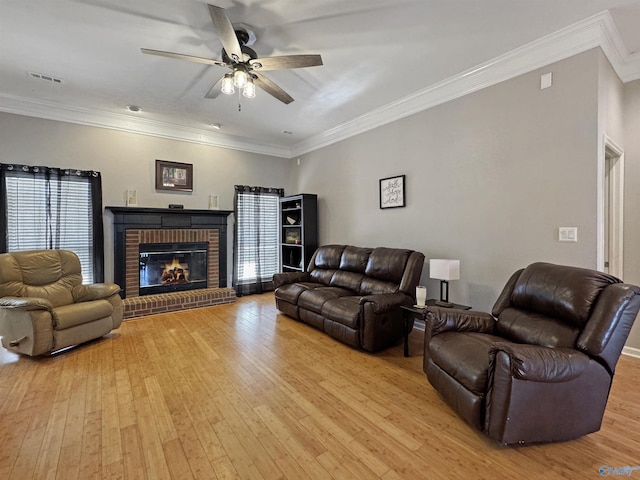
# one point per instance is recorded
(568, 234)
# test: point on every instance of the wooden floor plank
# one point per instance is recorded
(240, 391)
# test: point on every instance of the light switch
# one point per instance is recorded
(568, 234)
(546, 80)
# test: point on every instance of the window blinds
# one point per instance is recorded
(51, 211)
(257, 237)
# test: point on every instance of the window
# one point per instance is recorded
(50, 208)
(256, 238)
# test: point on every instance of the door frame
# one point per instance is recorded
(611, 149)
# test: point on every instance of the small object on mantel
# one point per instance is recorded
(176, 206)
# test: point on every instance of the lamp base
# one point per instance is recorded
(442, 303)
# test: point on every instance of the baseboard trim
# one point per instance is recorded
(631, 351)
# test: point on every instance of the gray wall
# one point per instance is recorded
(632, 192)
(490, 178)
(127, 161)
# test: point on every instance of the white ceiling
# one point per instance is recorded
(382, 60)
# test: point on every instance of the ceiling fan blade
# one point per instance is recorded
(271, 88)
(180, 56)
(215, 90)
(225, 31)
(286, 61)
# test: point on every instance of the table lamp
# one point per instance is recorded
(444, 270)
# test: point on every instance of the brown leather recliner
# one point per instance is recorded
(45, 307)
(540, 368)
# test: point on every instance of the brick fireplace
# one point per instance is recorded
(135, 226)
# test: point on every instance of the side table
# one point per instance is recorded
(411, 311)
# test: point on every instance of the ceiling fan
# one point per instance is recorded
(243, 61)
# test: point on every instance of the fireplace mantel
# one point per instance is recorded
(144, 217)
(140, 218)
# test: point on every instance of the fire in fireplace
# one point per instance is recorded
(170, 267)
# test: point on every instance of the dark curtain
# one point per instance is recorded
(256, 225)
(54, 177)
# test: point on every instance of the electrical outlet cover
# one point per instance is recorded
(568, 234)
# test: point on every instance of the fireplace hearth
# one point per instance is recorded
(172, 267)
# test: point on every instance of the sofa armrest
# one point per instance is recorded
(454, 320)
(384, 302)
(285, 278)
(26, 303)
(96, 291)
(540, 364)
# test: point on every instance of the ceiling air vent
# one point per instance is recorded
(47, 78)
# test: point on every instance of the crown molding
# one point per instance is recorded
(596, 31)
(125, 123)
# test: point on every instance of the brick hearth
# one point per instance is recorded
(170, 302)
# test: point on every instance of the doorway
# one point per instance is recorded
(610, 246)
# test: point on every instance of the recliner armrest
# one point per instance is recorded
(96, 291)
(26, 303)
(540, 364)
(384, 302)
(454, 320)
(286, 278)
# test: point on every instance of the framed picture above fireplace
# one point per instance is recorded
(174, 176)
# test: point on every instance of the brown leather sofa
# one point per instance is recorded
(45, 307)
(538, 369)
(354, 294)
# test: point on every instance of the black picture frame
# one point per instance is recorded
(392, 192)
(174, 176)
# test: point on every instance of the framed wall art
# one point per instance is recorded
(174, 176)
(392, 192)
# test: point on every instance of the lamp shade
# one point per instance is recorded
(444, 269)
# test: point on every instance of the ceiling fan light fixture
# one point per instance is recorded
(249, 90)
(240, 78)
(227, 84)
(241, 60)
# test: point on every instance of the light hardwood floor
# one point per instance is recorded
(240, 391)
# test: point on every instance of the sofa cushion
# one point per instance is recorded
(328, 256)
(315, 298)
(371, 285)
(348, 280)
(48, 274)
(560, 292)
(355, 259)
(68, 316)
(291, 292)
(464, 357)
(323, 276)
(387, 264)
(344, 310)
(526, 327)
